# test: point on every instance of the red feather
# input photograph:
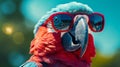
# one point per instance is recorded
(46, 47)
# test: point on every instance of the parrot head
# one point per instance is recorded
(69, 25)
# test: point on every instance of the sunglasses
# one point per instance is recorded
(63, 21)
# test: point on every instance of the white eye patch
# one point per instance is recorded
(50, 28)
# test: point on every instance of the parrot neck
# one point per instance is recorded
(47, 48)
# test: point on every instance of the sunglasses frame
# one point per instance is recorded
(51, 20)
(103, 21)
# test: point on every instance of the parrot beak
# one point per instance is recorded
(77, 37)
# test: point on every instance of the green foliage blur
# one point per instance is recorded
(15, 36)
(16, 33)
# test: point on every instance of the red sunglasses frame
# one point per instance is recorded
(50, 20)
(103, 22)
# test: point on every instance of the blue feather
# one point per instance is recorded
(71, 7)
(29, 64)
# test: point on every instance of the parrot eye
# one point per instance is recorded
(62, 21)
(96, 22)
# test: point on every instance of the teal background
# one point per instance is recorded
(18, 17)
(107, 42)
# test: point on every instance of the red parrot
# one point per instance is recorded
(63, 37)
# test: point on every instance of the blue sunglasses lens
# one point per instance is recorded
(96, 22)
(62, 21)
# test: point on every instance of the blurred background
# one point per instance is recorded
(18, 17)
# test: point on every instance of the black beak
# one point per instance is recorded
(77, 37)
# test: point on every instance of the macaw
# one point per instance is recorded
(63, 37)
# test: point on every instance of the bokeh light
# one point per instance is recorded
(33, 9)
(18, 37)
(8, 7)
(7, 29)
